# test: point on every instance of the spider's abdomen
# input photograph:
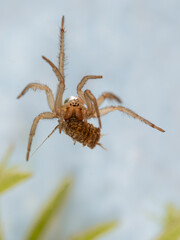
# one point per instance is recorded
(85, 134)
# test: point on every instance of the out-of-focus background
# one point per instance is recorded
(135, 45)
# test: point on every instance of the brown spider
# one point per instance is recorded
(73, 114)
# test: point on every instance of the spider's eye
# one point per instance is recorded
(66, 100)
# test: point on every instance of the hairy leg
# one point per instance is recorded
(106, 110)
(45, 115)
(82, 83)
(55, 69)
(36, 86)
(108, 95)
(61, 85)
(61, 53)
(93, 99)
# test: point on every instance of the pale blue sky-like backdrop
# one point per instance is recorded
(135, 45)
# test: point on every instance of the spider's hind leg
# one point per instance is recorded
(129, 112)
(108, 95)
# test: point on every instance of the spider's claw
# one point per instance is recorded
(158, 128)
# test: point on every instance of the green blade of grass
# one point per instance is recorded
(1, 234)
(96, 231)
(172, 233)
(172, 216)
(171, 224)
(11, 177)
(47, 214)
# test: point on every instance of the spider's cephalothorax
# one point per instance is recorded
(73, 114)
(74, 108)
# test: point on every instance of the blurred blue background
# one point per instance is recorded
(135, 45)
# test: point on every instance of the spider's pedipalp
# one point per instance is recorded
(45, 115)
(107, 110)
(108, 95)
(36, 86)
(82, 83)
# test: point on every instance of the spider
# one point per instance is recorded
(73, 114)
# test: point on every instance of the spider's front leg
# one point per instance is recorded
(36, 86)
(129, 112)
(61, 85)
(59, 72)
(82, 83)
(61, 53)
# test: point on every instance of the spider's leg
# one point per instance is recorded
(62, 114)
(90, 107)
(36, 86)
(106, 110)
(55, 69)
(82, 83)
(61, 53)
(46, 138)
(108, 95)
(45, 115)
(93, 99)
(61, 85)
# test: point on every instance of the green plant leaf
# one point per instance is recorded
(172, 216)
(171, 234)
(96, 231)
(11, 177)
(171, 224)
(47, 214)
(1, 234)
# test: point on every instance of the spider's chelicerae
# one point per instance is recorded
(73, 114)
